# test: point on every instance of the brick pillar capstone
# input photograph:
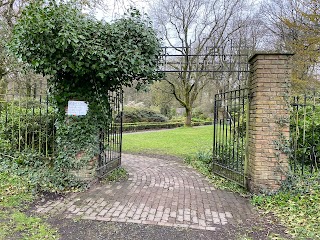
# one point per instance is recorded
(269, 87)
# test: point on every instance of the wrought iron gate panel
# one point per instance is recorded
(304, 133)
(226, 64)
(111, 136)
(229, 141)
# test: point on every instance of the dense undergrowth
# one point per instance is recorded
(41, 175)
(37, 143)
(296, 204)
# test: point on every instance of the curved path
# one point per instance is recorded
(159, 192)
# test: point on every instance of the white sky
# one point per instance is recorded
(116, 8)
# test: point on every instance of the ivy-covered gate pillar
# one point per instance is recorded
(268, 126)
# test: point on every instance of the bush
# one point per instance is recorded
(194, 120)
(166, 111)
(132, 115)
(154, 125)
(199, 115)
(146, 126)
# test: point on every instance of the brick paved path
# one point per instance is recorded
(158, 191)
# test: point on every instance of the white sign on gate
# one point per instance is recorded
(77, 108)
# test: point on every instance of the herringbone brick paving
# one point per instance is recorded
(158, 191)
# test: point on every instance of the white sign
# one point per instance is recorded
(77, 108)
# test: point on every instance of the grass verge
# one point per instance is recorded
(179, 142)
(202, 162)
(296, 204)
(116, 175)
(15, 192)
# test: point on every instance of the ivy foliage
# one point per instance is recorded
(85, 57)
(77, 143)
(296, 204)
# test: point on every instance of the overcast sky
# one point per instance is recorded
(116, 8)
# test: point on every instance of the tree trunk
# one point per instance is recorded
(187, 122)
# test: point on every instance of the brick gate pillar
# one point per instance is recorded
(269, 87)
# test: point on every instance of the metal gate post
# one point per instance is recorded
(246, 157)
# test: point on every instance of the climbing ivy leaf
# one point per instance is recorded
(82, 54)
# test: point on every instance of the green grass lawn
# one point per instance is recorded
(177, 142)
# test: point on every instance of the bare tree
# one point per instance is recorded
(11, 9)
(194, 29)
(12, 72)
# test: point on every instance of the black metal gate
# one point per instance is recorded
(229, 141)
(111, 136)
(225, 64)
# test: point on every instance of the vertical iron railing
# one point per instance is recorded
(111, 136)
(229, 137)
(305, 134)
(27, 119)
(27, 123)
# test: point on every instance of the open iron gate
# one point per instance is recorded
(227, 65)
(230, 138)
(110, 138)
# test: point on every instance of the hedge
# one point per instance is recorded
(131, 115)
(133, 127)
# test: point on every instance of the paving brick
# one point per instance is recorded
(159, 192)
(93, 214)
(210, 228)
(105, 219)
(89, 211)
(88, 218)
(116, 214)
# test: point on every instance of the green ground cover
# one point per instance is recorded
(15, 192)
(179, 142)
(296, 205)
